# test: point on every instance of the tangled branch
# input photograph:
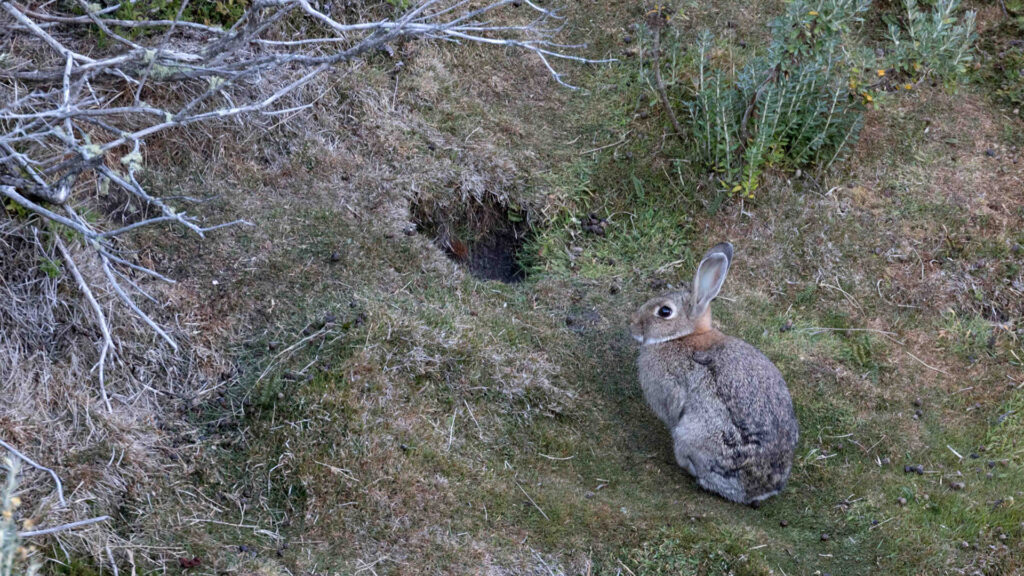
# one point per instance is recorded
(73, 117)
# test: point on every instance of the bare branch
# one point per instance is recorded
(101, 318)
(74, 115)
(63, 527)
(34, 464)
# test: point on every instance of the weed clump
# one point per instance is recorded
(14, 556)
(799, 103)
(934, 44)
(790, 107)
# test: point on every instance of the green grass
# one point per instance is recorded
(1006, 430)
(463, 424)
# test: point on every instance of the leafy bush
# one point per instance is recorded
(790, 108)
(800, 102)
(936, 43)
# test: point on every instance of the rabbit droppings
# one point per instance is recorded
(731, 417)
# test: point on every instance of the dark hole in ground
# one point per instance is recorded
(484, 236)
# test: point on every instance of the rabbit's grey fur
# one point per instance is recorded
(727, 405)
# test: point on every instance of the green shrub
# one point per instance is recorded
(799, 103)
(790, 108)
(934, 44)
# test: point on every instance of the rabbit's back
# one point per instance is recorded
(754, 395)
(730, 412)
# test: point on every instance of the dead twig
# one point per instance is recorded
(63, 527)
(34, 464)
(660, 84)
(532, 502)
(929, 366)
(101, 318)
(606, 146)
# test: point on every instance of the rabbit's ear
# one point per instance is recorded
(710, 277)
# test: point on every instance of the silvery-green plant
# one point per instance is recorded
(791, 107)
(934, 43)
(14, 556)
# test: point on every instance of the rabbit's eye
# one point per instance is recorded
(666, 312)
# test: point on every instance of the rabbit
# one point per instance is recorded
(727, 406)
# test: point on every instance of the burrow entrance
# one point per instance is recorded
(486, 237)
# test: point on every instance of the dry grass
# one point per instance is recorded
(53, 409)
(439, 424)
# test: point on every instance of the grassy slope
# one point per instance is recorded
(458, 426)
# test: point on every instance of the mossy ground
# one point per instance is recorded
(436, 423)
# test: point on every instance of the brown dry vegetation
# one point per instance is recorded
(431, 422)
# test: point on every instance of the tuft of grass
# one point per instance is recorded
(1005, 436)
(679, 551)
(223, 13)
(968, 336)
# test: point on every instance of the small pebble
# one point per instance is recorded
(901, 501)
(990, 153)
(991, 463)
(335, 256)
(784, 523)
(886, 461)
(825, 537)
(957, 485)
(965, 545)
(974, 455)
(918, 402)
(588, 494)
(787, 326)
